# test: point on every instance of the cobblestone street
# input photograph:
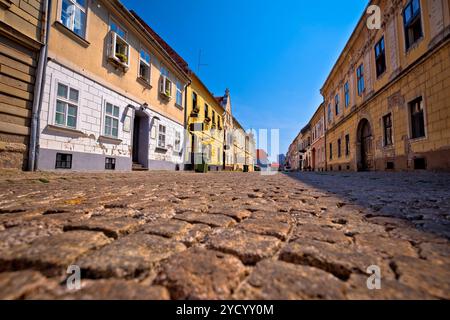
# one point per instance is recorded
(224, 235)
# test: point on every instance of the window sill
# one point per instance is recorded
(420, 139)
(161, 149)
(118, 63)
(165, 96)
(178, 106)
(414, 46)
(111, 140)
(83, 42)
(66, 130)
(381, 75)
(144, 82)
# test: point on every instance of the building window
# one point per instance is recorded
(162, 136)
(206, 111)
(115, 27)
(347, 94)
(412, 23)
(119, 51)
(165, 84)
(144, 65)
(336, 104)
(110, 164)
(380, 57)
(111, 121)
(177, 144)
(390, 165)
(331, 151)
(63, 161)
(330, 115)
(417, 118)
(387, 125)
(339, 148)
(179, 98)
(194, 101)
(420, 164)
(347, 145)
(360, 77)
(73, 16)
(66, 106)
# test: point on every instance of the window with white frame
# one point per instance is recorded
(67, 102)
(112, 113)
(162, 136)
(165, 84)
(73, 16)
(144, 65)
(120, 49)
(179, 94)
(177, 144)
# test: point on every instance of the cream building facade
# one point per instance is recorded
(114, 92)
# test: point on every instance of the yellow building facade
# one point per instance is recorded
(387, 97)
(114, 92)
(204, 116)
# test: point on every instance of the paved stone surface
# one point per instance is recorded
(16, 285)
(182, 235)
(52, 255)
(201, 274)
(130, 257)
(284, 281)
(212, 220)
(103, 290)
(112, 227)
(249, 247)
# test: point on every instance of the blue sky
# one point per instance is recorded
(273, 55)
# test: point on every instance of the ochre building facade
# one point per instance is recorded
(387, 98)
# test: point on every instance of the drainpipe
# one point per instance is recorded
(33, 152)
(186, 132)
(325, 137)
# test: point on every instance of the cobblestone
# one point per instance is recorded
(224, 235)
(249, 247)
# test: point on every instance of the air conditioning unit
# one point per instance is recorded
(119, 51)
(165, 87)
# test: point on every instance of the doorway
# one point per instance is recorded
(366, 145)
(141, 133)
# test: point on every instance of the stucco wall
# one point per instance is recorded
(93, 98)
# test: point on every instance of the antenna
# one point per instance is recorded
(200, 64)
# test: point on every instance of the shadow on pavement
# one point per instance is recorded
(421, 198)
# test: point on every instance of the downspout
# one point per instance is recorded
(33, 153)
(186, 132)
(325, 137)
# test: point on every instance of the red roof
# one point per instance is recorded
(175, 56)
(219, 99)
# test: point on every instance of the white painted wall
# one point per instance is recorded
(90, 120)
